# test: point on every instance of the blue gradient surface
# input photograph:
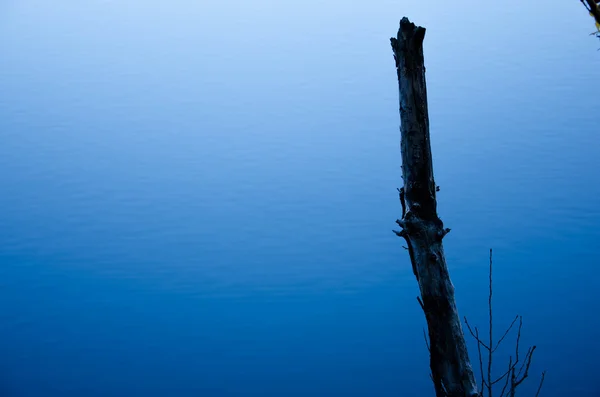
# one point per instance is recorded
(198, 197)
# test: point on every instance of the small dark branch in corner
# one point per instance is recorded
(592, 8)
(512, 378)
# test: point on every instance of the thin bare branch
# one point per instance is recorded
(511, 377)
(479, 341)
(528, 359)
(517, 344)
(501, 377)
(480, 358)
(541, 384)
(510, 367)
(505, 333)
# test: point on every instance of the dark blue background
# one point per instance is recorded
(197, 197)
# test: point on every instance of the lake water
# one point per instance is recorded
(198, 197)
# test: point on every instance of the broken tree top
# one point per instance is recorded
(417, 167)
(408, 32)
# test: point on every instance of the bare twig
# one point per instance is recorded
(526, 363)
(476, 335)
(505, 333)
(480, 358)
(501, 377)
(512, 378)
(510, 364)
(541, 384)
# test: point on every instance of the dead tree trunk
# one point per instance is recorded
(422, 228)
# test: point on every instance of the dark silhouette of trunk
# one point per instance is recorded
(422, 229)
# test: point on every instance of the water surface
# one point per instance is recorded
(197, 199)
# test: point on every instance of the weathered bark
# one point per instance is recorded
(422, 228)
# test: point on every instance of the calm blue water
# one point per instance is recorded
(198, 197)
